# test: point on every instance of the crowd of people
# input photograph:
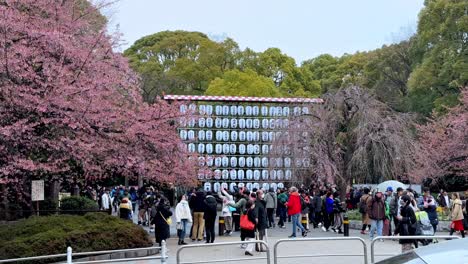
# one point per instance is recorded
(393, 212)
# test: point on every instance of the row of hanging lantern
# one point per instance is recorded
(229, 136)
(241, 110)
(233, 123)
(241, 175)
(240, 149)
(234, 162)
(218, 186)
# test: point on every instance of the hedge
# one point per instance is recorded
(77, 205)
(46, 235)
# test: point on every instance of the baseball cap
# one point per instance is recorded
(389, 189)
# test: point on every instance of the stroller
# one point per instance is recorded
(424, 227)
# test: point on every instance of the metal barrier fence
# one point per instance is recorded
(276, 257)
(70, 255)
(267, 258)
(402, 237)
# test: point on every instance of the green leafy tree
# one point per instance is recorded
(238, 83)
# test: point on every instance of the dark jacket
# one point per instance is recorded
(407, 224)
(260, 212)
(251, 214)
(376, 208)
(317, 203)
(162, 229)
(210, 207)
(197, 203)
(394, 203)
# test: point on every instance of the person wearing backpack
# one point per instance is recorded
(271, 202)
(282, 200)
(210, 217)
(376, 212)
(366, 222)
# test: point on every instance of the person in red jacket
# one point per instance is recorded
(294, 210)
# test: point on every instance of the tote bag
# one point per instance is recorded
(245, 223)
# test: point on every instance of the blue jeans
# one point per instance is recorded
(184, 229)
(376, 224)
(296, 223)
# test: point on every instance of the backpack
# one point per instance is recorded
(363, 206)
(423, 224)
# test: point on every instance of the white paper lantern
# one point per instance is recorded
(209, 109)
(298, 163)
(242, 136)
(264, 136)
(240, 175)
(264, 110)
(272, 111)
(257, 162)
(242, 123)
(265, 149)
(249, 123)
(271, 136)
(209, 122)
(182, 122)
(225, 149)
(256, 123)
(279, 111)
(233, 123)
(288, 175)
(201, 175)
(191, 135)
(226, 136)
(191, 147)
(255, 110)
(201, 161)
(264, 175)
(248, 110)
(201, 135)
(242, 149)
(278, 135)
(219, 148)
(201, 148)
(305, 110)
(279, 123)
(273, 175)
(225, 122)
(280, 185)
(219, 110)
(241, 185)
(257, 175)
(256, 149)
(233, 162)
(297, 110)
(250, 149)
(279, 175)
(256, 136)
(249, 162)
(256, 185)
(225, 174)
(233, 175)
(218, 162)
(207, 187)
(193, 108)
(265, 124)
(191, 122)
(225, 110)
(232, 149)
(249, 175)
(216, 187)
(279, 162)
(240, 110)
(218, 122)
(286, 123)
(306, 162)
(287, 162)
(266, 186)
(233, 110)
(209, 135)
(183, 134)
(248, 186)
(272, 124)
(202, 109)
(234, 135)
(249, 136)
(201, 122)
(274, 186)
(183, 109)
(241, 162)
(217, 174)
(265, 162)
(285, 111)
(209, 159)
(209, 174)
(219, 135)
(209, 148)
(232, 186)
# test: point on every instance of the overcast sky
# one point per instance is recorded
(302, 29)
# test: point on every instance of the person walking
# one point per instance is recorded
(197, 203)
(226, 211)
(407, 219)
(210, 217)
(261, 220)
(318, 205)
(162, 220)
(395, 209)
(305, 207)
(271, 204)
(183, 216)
(282, 200)
(106, 203)
(249, 234)
(294, 210)
(125, 209)
(457, 215)
(430, 207)
(366, 222)
(328, 211)
(338, 210)
(376, 212)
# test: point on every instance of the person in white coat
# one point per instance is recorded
(183, 216)
(106, 201)
(227, 213)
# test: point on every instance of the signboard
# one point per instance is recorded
(37, 191)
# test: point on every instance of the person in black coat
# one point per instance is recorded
(249, 234)
(407, 220)
(163, 214)
(210, 217)
(262, 218)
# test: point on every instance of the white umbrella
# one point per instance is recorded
(382, 187)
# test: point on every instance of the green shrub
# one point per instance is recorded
(47, 235)
(47, 207)
(77, 205)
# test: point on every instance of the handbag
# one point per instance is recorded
(245, 223)
(179, 226)
(168, 220)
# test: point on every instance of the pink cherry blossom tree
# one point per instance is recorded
(70, 106)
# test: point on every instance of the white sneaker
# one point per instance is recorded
(319, 224)
(324, 229)
(243, 246)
